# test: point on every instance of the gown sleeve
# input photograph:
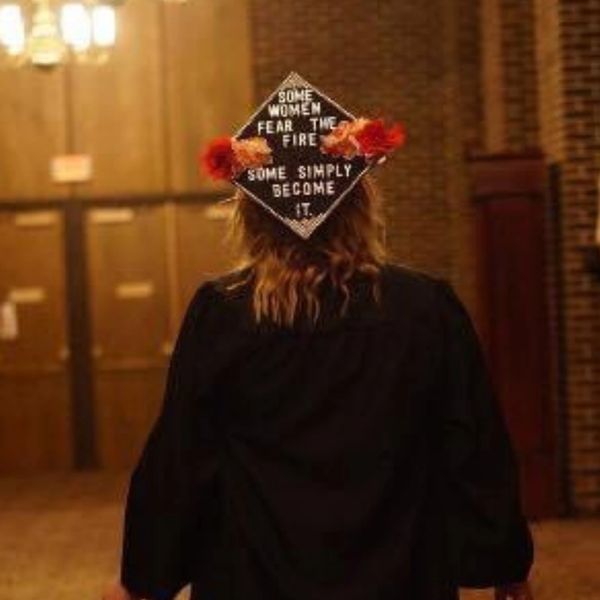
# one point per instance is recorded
(175, 471)
(489, 538)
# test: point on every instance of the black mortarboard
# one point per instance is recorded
(299, 181)
(302, 186)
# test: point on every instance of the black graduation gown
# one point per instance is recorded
(365, 460)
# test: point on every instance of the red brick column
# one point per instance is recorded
(509, 75)
(568, 48)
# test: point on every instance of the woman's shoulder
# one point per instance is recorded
(215, 303)
(223, 295)
(424, 291)
(229, 284)
(414, 298)
(404, 279)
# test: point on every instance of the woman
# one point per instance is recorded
(328, 431)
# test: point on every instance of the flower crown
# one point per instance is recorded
(227, 157)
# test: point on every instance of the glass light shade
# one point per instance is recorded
(104, 25)
(45, 46)
(12, 28)
(76, 26)
(88, 27)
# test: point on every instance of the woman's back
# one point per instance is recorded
(327, 461)
(329, 437)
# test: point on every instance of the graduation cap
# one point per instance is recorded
(300, 153)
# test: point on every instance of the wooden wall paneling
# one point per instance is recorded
(208, 81)
(35, 416)
(32, 273)
(127, 404)
(35, 424)
(202, 250)
(118, 109)
(130, 333)
(33, 129)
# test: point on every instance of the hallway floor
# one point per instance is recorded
(60, 534)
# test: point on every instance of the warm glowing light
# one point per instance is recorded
(44, 44)
(12, 28)
(104, 25)
(76, 26)
(52, 32)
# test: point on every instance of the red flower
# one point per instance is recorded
(226, 157)
(364, 137)
(375, 139)
(218, 160)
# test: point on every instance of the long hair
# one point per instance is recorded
(287, 273)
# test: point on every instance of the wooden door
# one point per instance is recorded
(511, 213)
(35, 416)
(130, 325)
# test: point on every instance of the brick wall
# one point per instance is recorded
(463, 133)
(569, 94)
(400, 60)
(549, 61)
(541, 87)
(509, 75)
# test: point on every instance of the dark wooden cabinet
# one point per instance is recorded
(510, 193)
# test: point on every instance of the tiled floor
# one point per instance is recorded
(59, 540)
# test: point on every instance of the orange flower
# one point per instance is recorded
(364, 137)
(252, 152)
(341, 141)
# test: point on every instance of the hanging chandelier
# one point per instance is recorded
(45, 34)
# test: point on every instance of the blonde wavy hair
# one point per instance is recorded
(287, 272)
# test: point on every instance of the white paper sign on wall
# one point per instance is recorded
(9, 324)
(71, 168)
